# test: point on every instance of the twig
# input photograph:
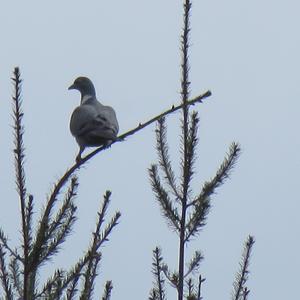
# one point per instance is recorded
(201, 280)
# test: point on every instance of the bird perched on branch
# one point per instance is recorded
(92, 123)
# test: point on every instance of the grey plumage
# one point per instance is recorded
(92, 124)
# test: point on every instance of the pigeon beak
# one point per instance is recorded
(72, 87)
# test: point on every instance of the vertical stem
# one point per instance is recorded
(181, 252)
(20, 174)
(185, 95)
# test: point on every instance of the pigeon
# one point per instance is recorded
(92, 123)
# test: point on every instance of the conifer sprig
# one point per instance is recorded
(15, 275)
(223, 173)
(167, 207)
(107, 290)
(4, 276)
(158, 292)
(186, 214)
(85, 269)
(164, 159)
(19, 153)
(240, 291)
(194, 263)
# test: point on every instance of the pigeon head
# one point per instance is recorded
(84, 85)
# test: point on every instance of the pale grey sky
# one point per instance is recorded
(245, 52)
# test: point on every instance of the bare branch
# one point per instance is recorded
(201, 280)
(141, 126)
(47, 211)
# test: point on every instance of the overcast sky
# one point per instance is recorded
(245, 52)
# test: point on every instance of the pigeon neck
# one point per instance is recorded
(85, 98)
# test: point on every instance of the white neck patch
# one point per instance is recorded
(85, 98)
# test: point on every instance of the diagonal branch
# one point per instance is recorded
(222, 174)
(44, 222)
(55, 232)
(76, 166)
(198, 217)
(194, 263)
(69, 172)
(141, 126)
(171, 276)
(201, 203)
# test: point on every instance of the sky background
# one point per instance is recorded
(245, 52)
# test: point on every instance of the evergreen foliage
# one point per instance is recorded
(20, 267)
(185, 214)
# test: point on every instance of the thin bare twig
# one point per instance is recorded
(201, 280)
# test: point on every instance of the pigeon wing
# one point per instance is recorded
(108, 116)
(94, 122)
(82, 117)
